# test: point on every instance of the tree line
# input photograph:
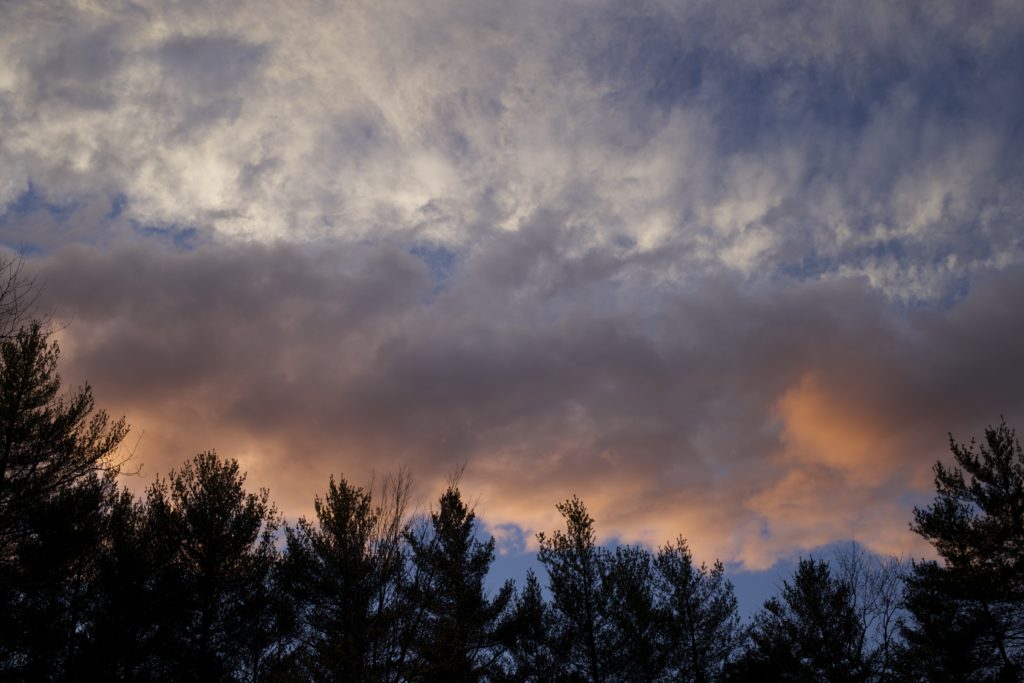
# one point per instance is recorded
(199, 579)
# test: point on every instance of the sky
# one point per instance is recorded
(726, 270)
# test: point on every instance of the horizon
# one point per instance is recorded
(726, 273)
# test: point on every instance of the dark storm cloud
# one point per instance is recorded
(669, 410)
(218, 313)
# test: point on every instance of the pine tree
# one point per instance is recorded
(530, 657)
(127, 640)
(810, 633)
(345, 573)
(634, 647)
(219, 618)
(48, 443)
(576, 567)
(699, 613)
(57, 457)
(975, 598)
(456, 635)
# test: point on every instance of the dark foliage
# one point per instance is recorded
(628, 615)
(345, 574)
(456, 634)
(967, 613)
(700, 623)
(809, 633)
(576, 567)
(220, 574)
(56, 453)
(528, 635)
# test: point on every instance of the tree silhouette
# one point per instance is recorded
(530, 656)
(345, 573)
(54, 453)
(944, 638)
(976, 597)
(18, 295)
(877, 598)
(48, 443)
(332, 572)
(699, 613)
(809, 634)
(633, 646)
(219, 621)
(456, 635)
(188, 584)
(46, 623)
(628, 615)
(575, 567)
(129, 639)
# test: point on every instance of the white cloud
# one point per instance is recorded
(751, 140)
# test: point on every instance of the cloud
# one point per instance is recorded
(810, 138)
(755, 422)
(723, 270)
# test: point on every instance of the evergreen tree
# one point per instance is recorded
(50, 619)
(809, 635)
(944, 641)
(129, 639)
(576, 569)
(456, 635)
(530, 656)
(345, 573)
(219, 618)
(55, 451)
(975, 598)
(634, 646)
(48, 443)
(702, 629)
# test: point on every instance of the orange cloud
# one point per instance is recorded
(823, 427)
(839, 463)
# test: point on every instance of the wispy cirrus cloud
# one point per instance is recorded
(808, 138)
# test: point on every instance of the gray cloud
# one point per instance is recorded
(82, 72)
(669, 409)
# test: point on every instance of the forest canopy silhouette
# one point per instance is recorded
(200, 579)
